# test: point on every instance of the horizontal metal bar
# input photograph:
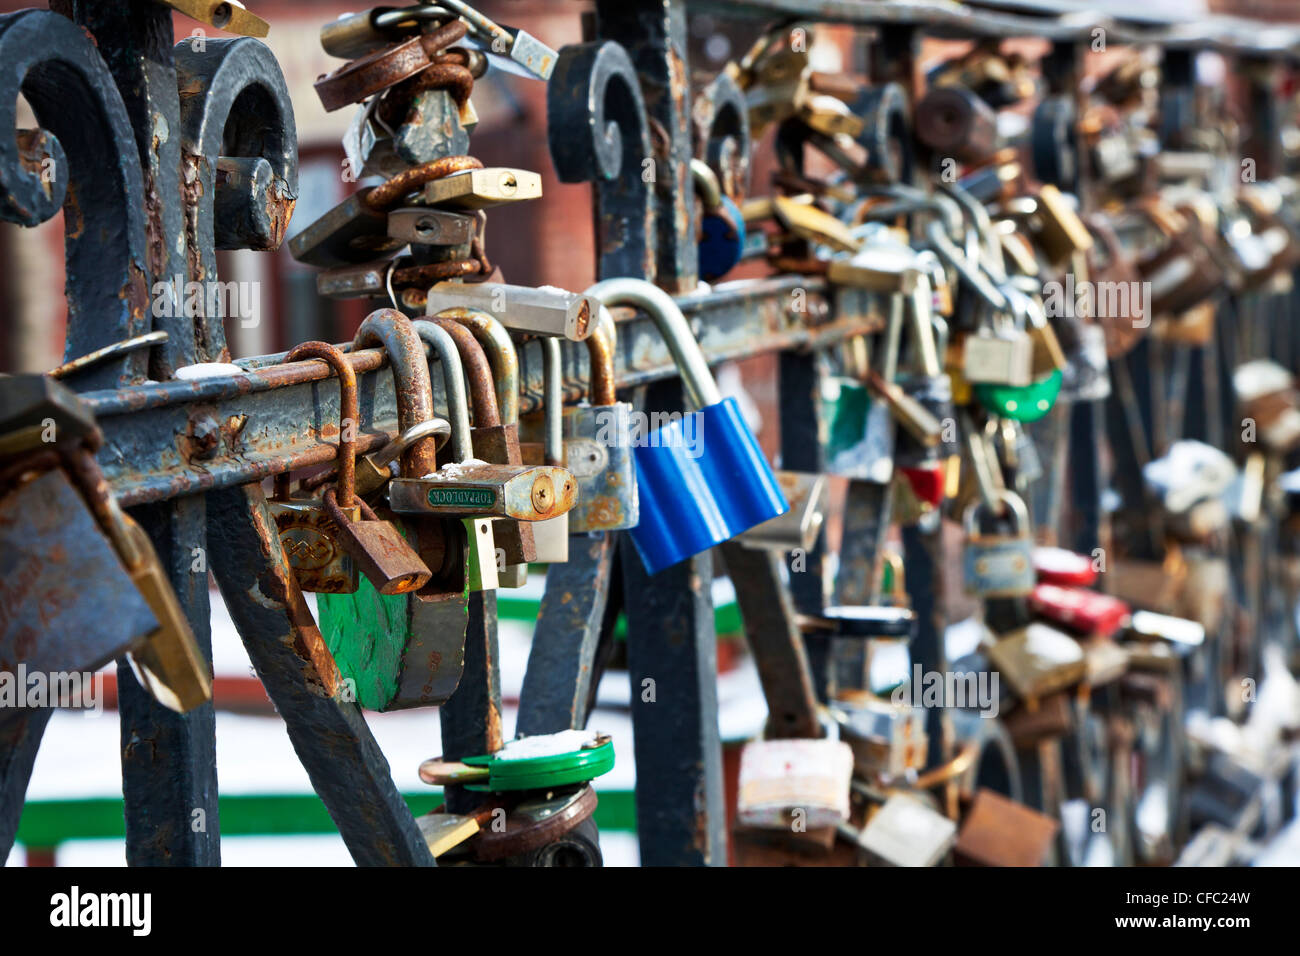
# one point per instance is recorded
(1058, 20)
(168, 439)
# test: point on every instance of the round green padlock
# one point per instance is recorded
(539, 773)
(1021, 403)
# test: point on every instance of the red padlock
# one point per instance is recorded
(1083, 611)
(926, 482)
(1059, 566)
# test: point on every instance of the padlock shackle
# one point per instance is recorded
(1015, 509)
(349, 411)
(482, 388)
(501, 353)
(553, 400)
(600, 360)
(697, 380)
(393, 330)
(706, 184)
(453, 381)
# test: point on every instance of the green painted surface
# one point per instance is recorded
(1024, 403)
(462, 497)
(47, 823)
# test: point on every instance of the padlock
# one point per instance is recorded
(1061, 233)
(374, 546)
(1004, 358)
(999, 565)
(700, 488)
(1063, 567)
(1022, 396)
(229, 15)
(722, 228)
(891, 619)
(356, 230)
(54, 554)
(806, 221)
(169, 664)
(1078, 609)
(495, 437)
(552, 534)
(598, 444)
(783, 782)
(474, 189)
(1037, 719)
(906, 831)
(774, 84)
(1038, 660)
(539, 762)
(954, 122)
(998, 831)
(37, 412)
(860, 431)
(807, 495)
(1183, 272)
(544, 311)
(887, 739)
(408, 650)
(310, 536)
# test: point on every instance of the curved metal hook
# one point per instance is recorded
(722, 122)
(83, 159)
(598, 131)
(240, 159)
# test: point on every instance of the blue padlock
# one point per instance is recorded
(702, 479)
(722, 227)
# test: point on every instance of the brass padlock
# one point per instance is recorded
(169, 665)
(1038, 660)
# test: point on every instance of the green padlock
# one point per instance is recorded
(404, 650)
(559, 763)
(1021, 403)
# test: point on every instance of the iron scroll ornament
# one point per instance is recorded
(598, 131)
(240, 156)
(83, 159)
(722, 126)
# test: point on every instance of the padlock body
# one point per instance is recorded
(386, 559)
(722, 245)
(526, 493)
(313, 544)
(799, 527)
(777, 776)
(859, 431)
(999, 565)
(997, 360)
(170, 665)
(598, 451)
(66, 602)
(399, 651)
(700, 484)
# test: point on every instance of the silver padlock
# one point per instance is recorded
(598, 444)
(999, 565)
